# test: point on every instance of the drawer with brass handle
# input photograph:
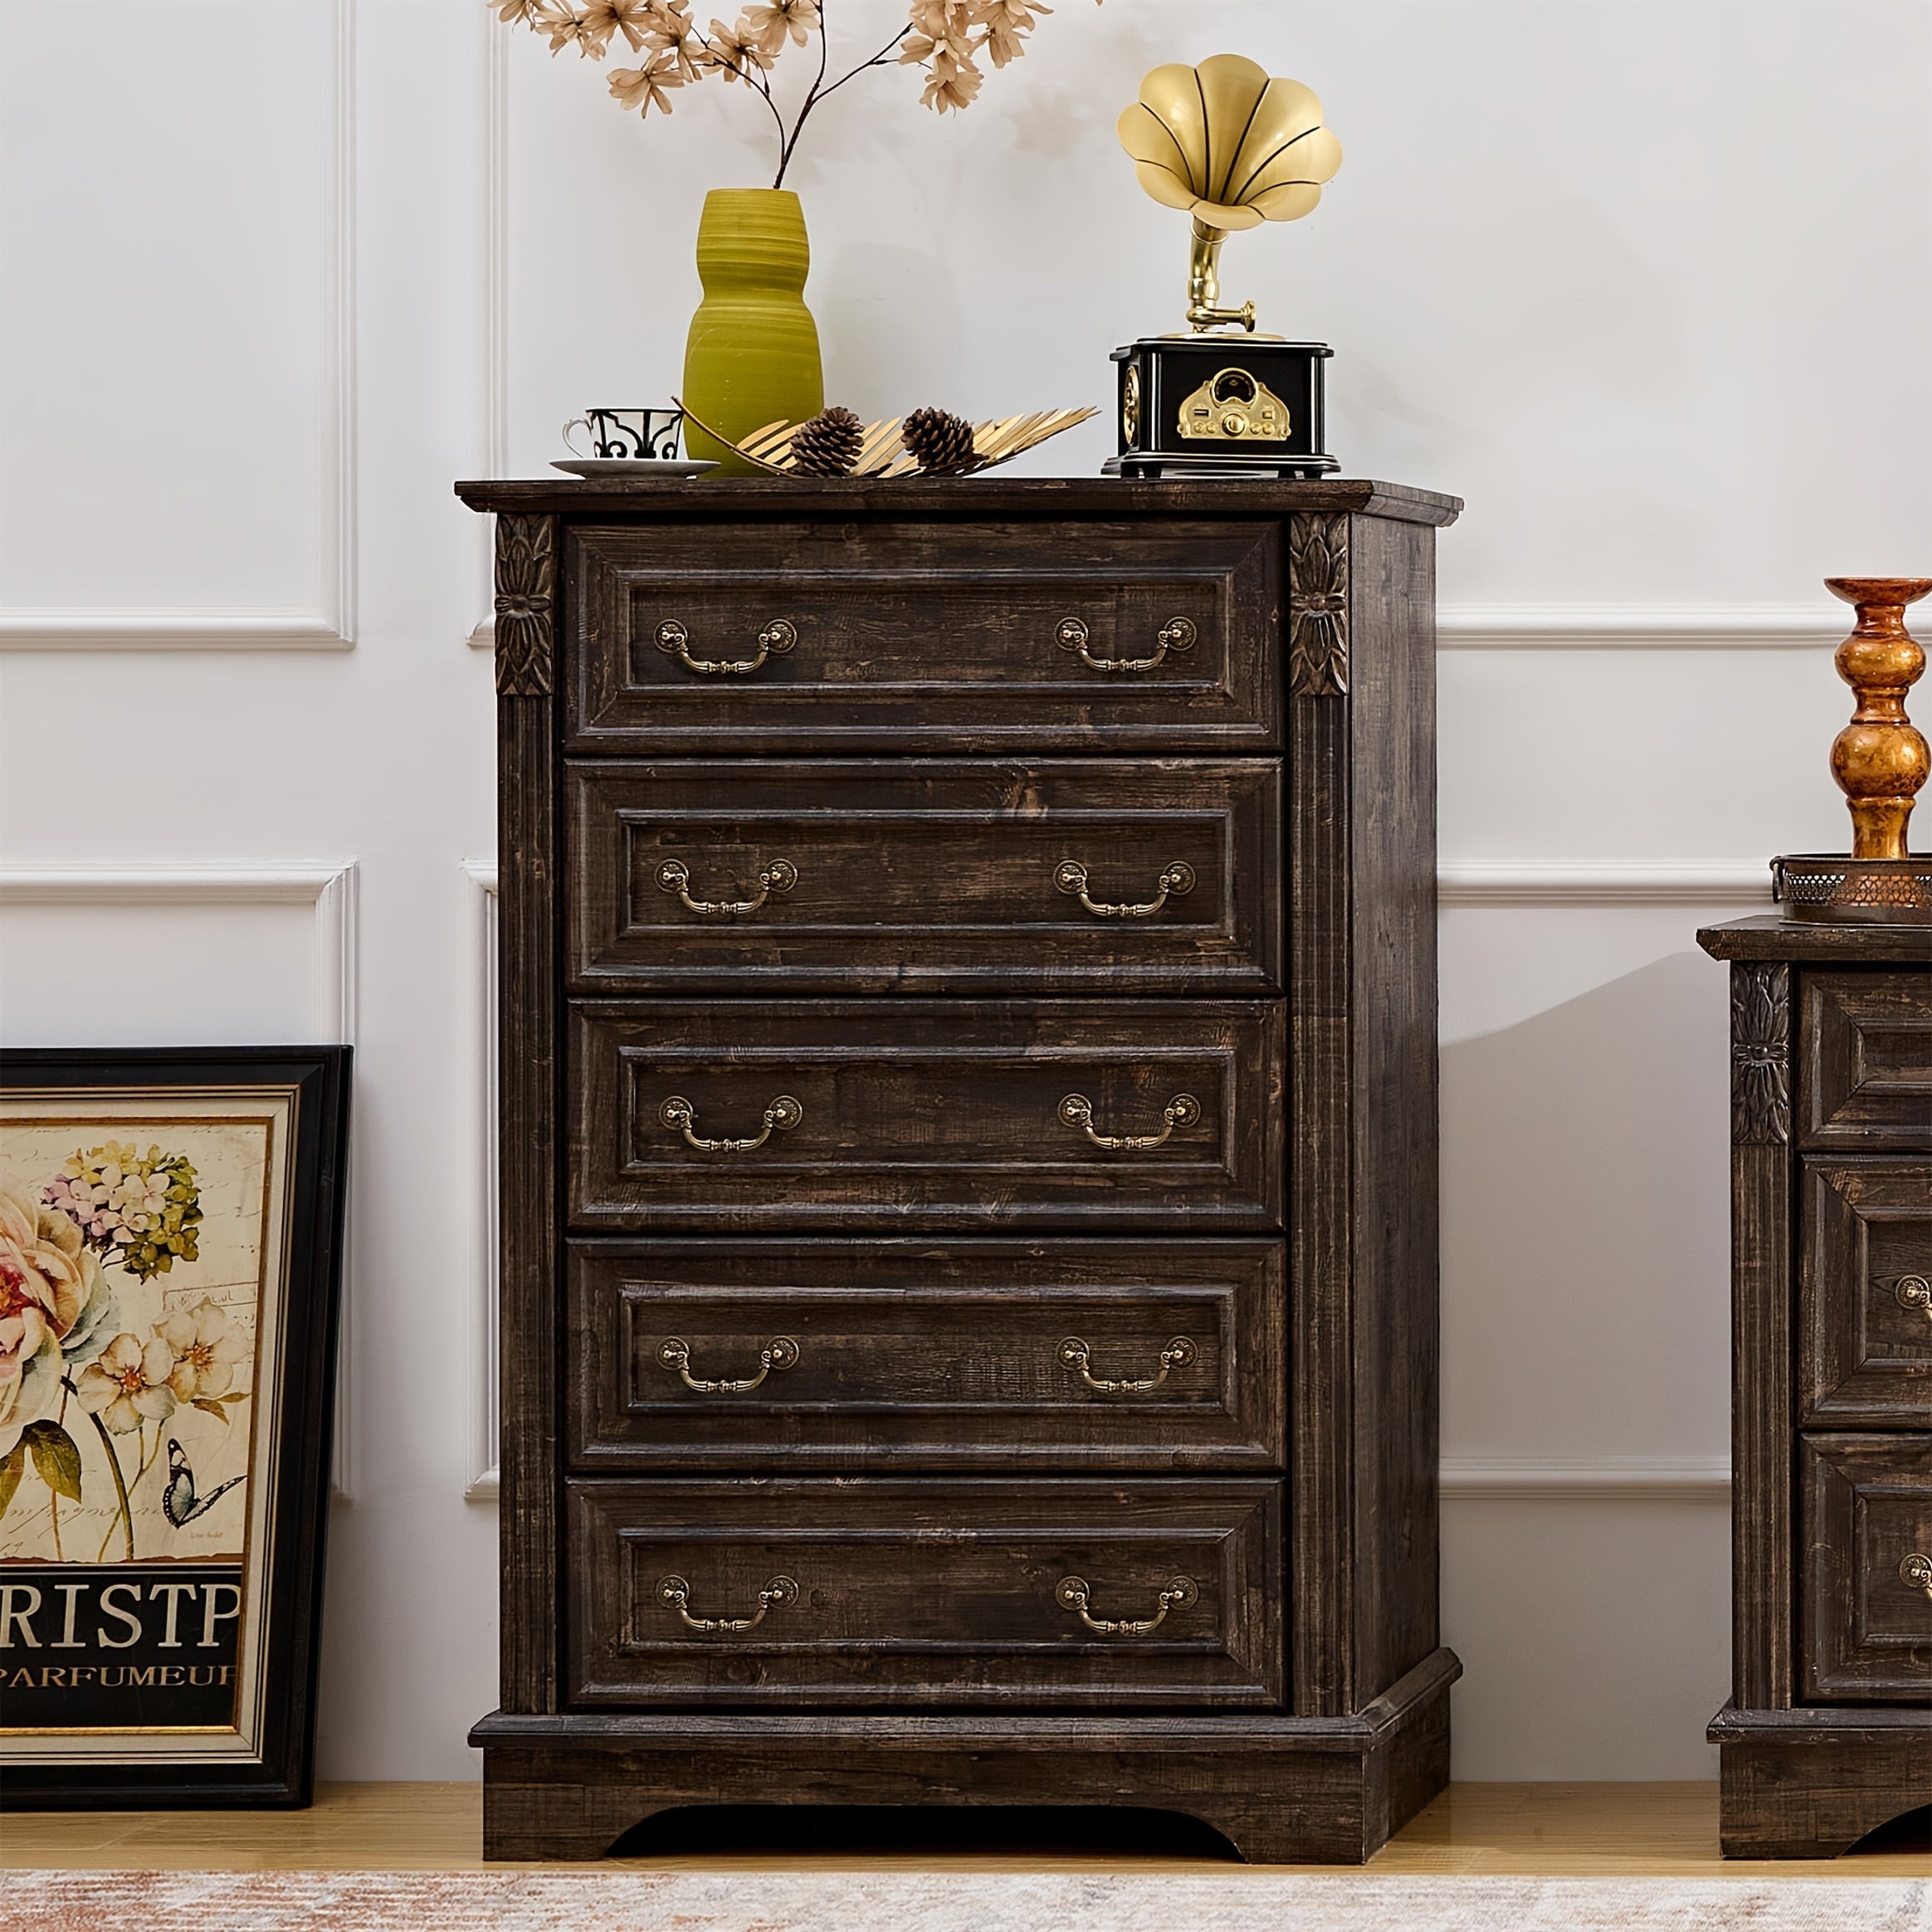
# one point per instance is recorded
(1158, 635)
(729, 1116)
(1865, 1538)
(1084, 1353)
(1865, 1292)
(929, 876)
(1053, 1593)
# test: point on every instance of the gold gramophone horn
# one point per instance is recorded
(1232, 147)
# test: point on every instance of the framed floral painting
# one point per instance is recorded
(170, 1255)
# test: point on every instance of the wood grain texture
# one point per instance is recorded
(1865, 1270)
(527, 1188)
(1822, 1521)
(912, 635)
(1811, 1784)
(927, 875)
(1282, 1790)
(915, 1356)
(1868, 1054)
(927, 1114)
(916, 1594)
(937, 499)
(526, 590)
(1866, 1509)
(1295, 1003)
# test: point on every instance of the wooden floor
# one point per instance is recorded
(1577, 1829)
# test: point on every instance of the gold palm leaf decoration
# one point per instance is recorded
(1233, 148)
(882, 452)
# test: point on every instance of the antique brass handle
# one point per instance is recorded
(1177, 634)
(779, 1594)
(779, 1354)
(784, 1114)
(674, 875)
(1075, 1593)
(1076, 1355)
(1915, 1291)
(773, 641)
(1070, 876)
(1916, 1572)
(1077, 1110)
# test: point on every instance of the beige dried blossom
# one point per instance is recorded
(945, 37)
(733, 52)
(644, 88)
(772, 20)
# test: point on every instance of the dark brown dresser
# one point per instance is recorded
(1829, 1730)
(968, 1154)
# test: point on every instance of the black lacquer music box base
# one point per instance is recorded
(1220, 405)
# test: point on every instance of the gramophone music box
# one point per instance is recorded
(1232, 147)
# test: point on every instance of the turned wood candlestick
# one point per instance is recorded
(1879, 759)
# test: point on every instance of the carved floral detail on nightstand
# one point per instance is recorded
(526, 583)
(1318, 606)
(1761, 1054)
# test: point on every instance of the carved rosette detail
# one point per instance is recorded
(1760, 1054)
(526, 586)
(1318, 606)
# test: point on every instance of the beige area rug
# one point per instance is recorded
(931, 1901)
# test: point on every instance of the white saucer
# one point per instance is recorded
(665, 466)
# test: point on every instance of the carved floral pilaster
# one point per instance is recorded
(1760, 1053)
(1318, 605)
(526, 587)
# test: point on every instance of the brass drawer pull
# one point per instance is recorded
(773, 641)
(1076, 1355)
(1077, 1110)
(674, 875)
(1916, 1572)
(1075, 1593)
(1915, 1291)
(779, 1354)
(1178, 879)
(1177, 634)
(784, 1114)
(779, 1594)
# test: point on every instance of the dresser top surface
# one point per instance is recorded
(1770, 936)
(714, 497)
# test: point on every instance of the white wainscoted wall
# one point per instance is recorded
(1645, 283)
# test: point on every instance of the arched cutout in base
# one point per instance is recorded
(897, 1830)
(1910, 1832)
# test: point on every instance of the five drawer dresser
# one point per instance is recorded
(969, 1153)
(1828, 1733)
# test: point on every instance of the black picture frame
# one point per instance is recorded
(271, 1763)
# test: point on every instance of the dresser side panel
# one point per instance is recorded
(1392, 1053)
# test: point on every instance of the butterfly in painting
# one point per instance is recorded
(178, 1499)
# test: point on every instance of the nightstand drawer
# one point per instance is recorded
(959, 1593)
(1866, 1062)
(782, 1355)
(734, 1115)
(1865, 1292)
(838, 876)
(1157, 636)
(1865, 1535)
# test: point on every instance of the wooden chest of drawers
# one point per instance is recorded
(1829, 1731)
(968, 1154)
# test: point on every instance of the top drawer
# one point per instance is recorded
(1155, 636)
(1866, 1061)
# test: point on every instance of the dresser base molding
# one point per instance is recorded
(1282, 1790)
(1811, 1784)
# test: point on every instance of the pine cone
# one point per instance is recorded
(828, 445)
(942, 443)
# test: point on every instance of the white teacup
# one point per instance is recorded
(635, 436)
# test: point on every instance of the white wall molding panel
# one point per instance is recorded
(1710, 883)
(1611, 626)
(180, 32)
(1603, 1479)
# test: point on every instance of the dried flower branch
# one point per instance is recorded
(945, 38)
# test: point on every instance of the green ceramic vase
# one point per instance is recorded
(752, 356)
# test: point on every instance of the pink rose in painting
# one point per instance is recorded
(48, 1284)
